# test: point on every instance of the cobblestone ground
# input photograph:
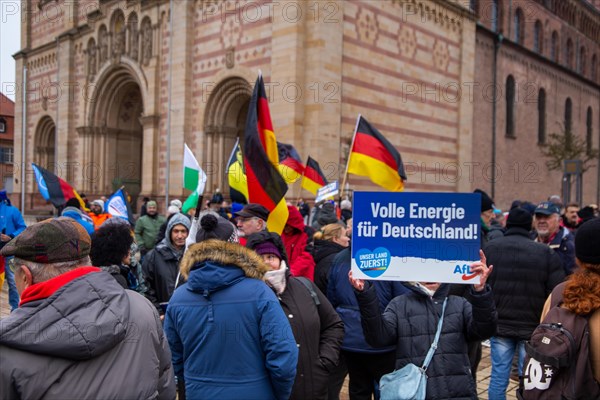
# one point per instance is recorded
(483, 374)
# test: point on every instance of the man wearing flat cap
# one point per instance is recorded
(77, 333)
(251, 219)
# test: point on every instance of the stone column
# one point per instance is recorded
(149, 154)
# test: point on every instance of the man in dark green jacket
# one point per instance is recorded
(147, 227)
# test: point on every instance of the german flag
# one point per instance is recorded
(313, 179)
(290, 163)
(266, 186)
(54, 189)
(373, 156)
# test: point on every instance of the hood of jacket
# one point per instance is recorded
(82, 320)
(440, 293)
(75, 213)
(218, 253)
(323, 248)
(176, 219)
(295, 219)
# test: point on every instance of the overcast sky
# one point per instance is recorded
(10, 43)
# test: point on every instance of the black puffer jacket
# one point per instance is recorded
(318, 329)
(324, 252)
(410, 322)
(524, 274)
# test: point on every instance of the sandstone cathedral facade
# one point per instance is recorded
(467, 91)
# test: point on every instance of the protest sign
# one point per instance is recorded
(327, 191)
(431, 237)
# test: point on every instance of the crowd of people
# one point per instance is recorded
(222, 308)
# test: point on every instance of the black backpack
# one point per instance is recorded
(557, 364)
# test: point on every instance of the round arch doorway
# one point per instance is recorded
(113, 141)
(225, 121)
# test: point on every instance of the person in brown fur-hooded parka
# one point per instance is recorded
(228, 335)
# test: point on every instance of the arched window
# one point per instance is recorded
(510, 106)
(554, 47)
(146, 30)
(569, 54)
(519, 26)
(541, 116)
(538, 37)
(581, 67)
(589, 130)
(118, 31)
(132, 26)
(494, 14)
(568, 116)
(91, 54)
(103, 43)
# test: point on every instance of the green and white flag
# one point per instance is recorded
(193, 179)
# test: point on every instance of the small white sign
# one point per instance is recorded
(329, 190)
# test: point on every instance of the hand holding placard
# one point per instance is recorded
(480, 268)
(357, 284)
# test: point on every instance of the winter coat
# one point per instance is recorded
(324, 252)
(161, 266)
(564, 245)
(99, 219)
(300, 261)
(79, 216)
(410, 322)
(319, 332)
(524, 274)
(11, 220)
(341, 295)
(146, 229)
(90, 339)
(229, 336)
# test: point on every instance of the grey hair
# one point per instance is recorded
(44, 272)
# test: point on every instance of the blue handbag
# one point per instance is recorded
(410, 381)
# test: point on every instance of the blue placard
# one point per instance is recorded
(431, 237)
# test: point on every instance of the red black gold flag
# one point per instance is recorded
(313, 179)
(266, 186)
(373, 156)
(54, 189)
(290, 163)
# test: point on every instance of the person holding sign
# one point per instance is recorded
(410, 322)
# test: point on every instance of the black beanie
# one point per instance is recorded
(215, 227)
(519, 218)
(587, 240)
(486, 201)
(73, 202)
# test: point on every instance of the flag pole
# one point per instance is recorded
(199, 206)
(348, 160)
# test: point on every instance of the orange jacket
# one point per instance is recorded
(99, 218)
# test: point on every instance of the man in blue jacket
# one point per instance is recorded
(11, 224)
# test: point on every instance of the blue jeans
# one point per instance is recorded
(13, 295)
(502, 352)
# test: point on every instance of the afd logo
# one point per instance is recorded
(465, 270)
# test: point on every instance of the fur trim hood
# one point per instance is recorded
(225, 253)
